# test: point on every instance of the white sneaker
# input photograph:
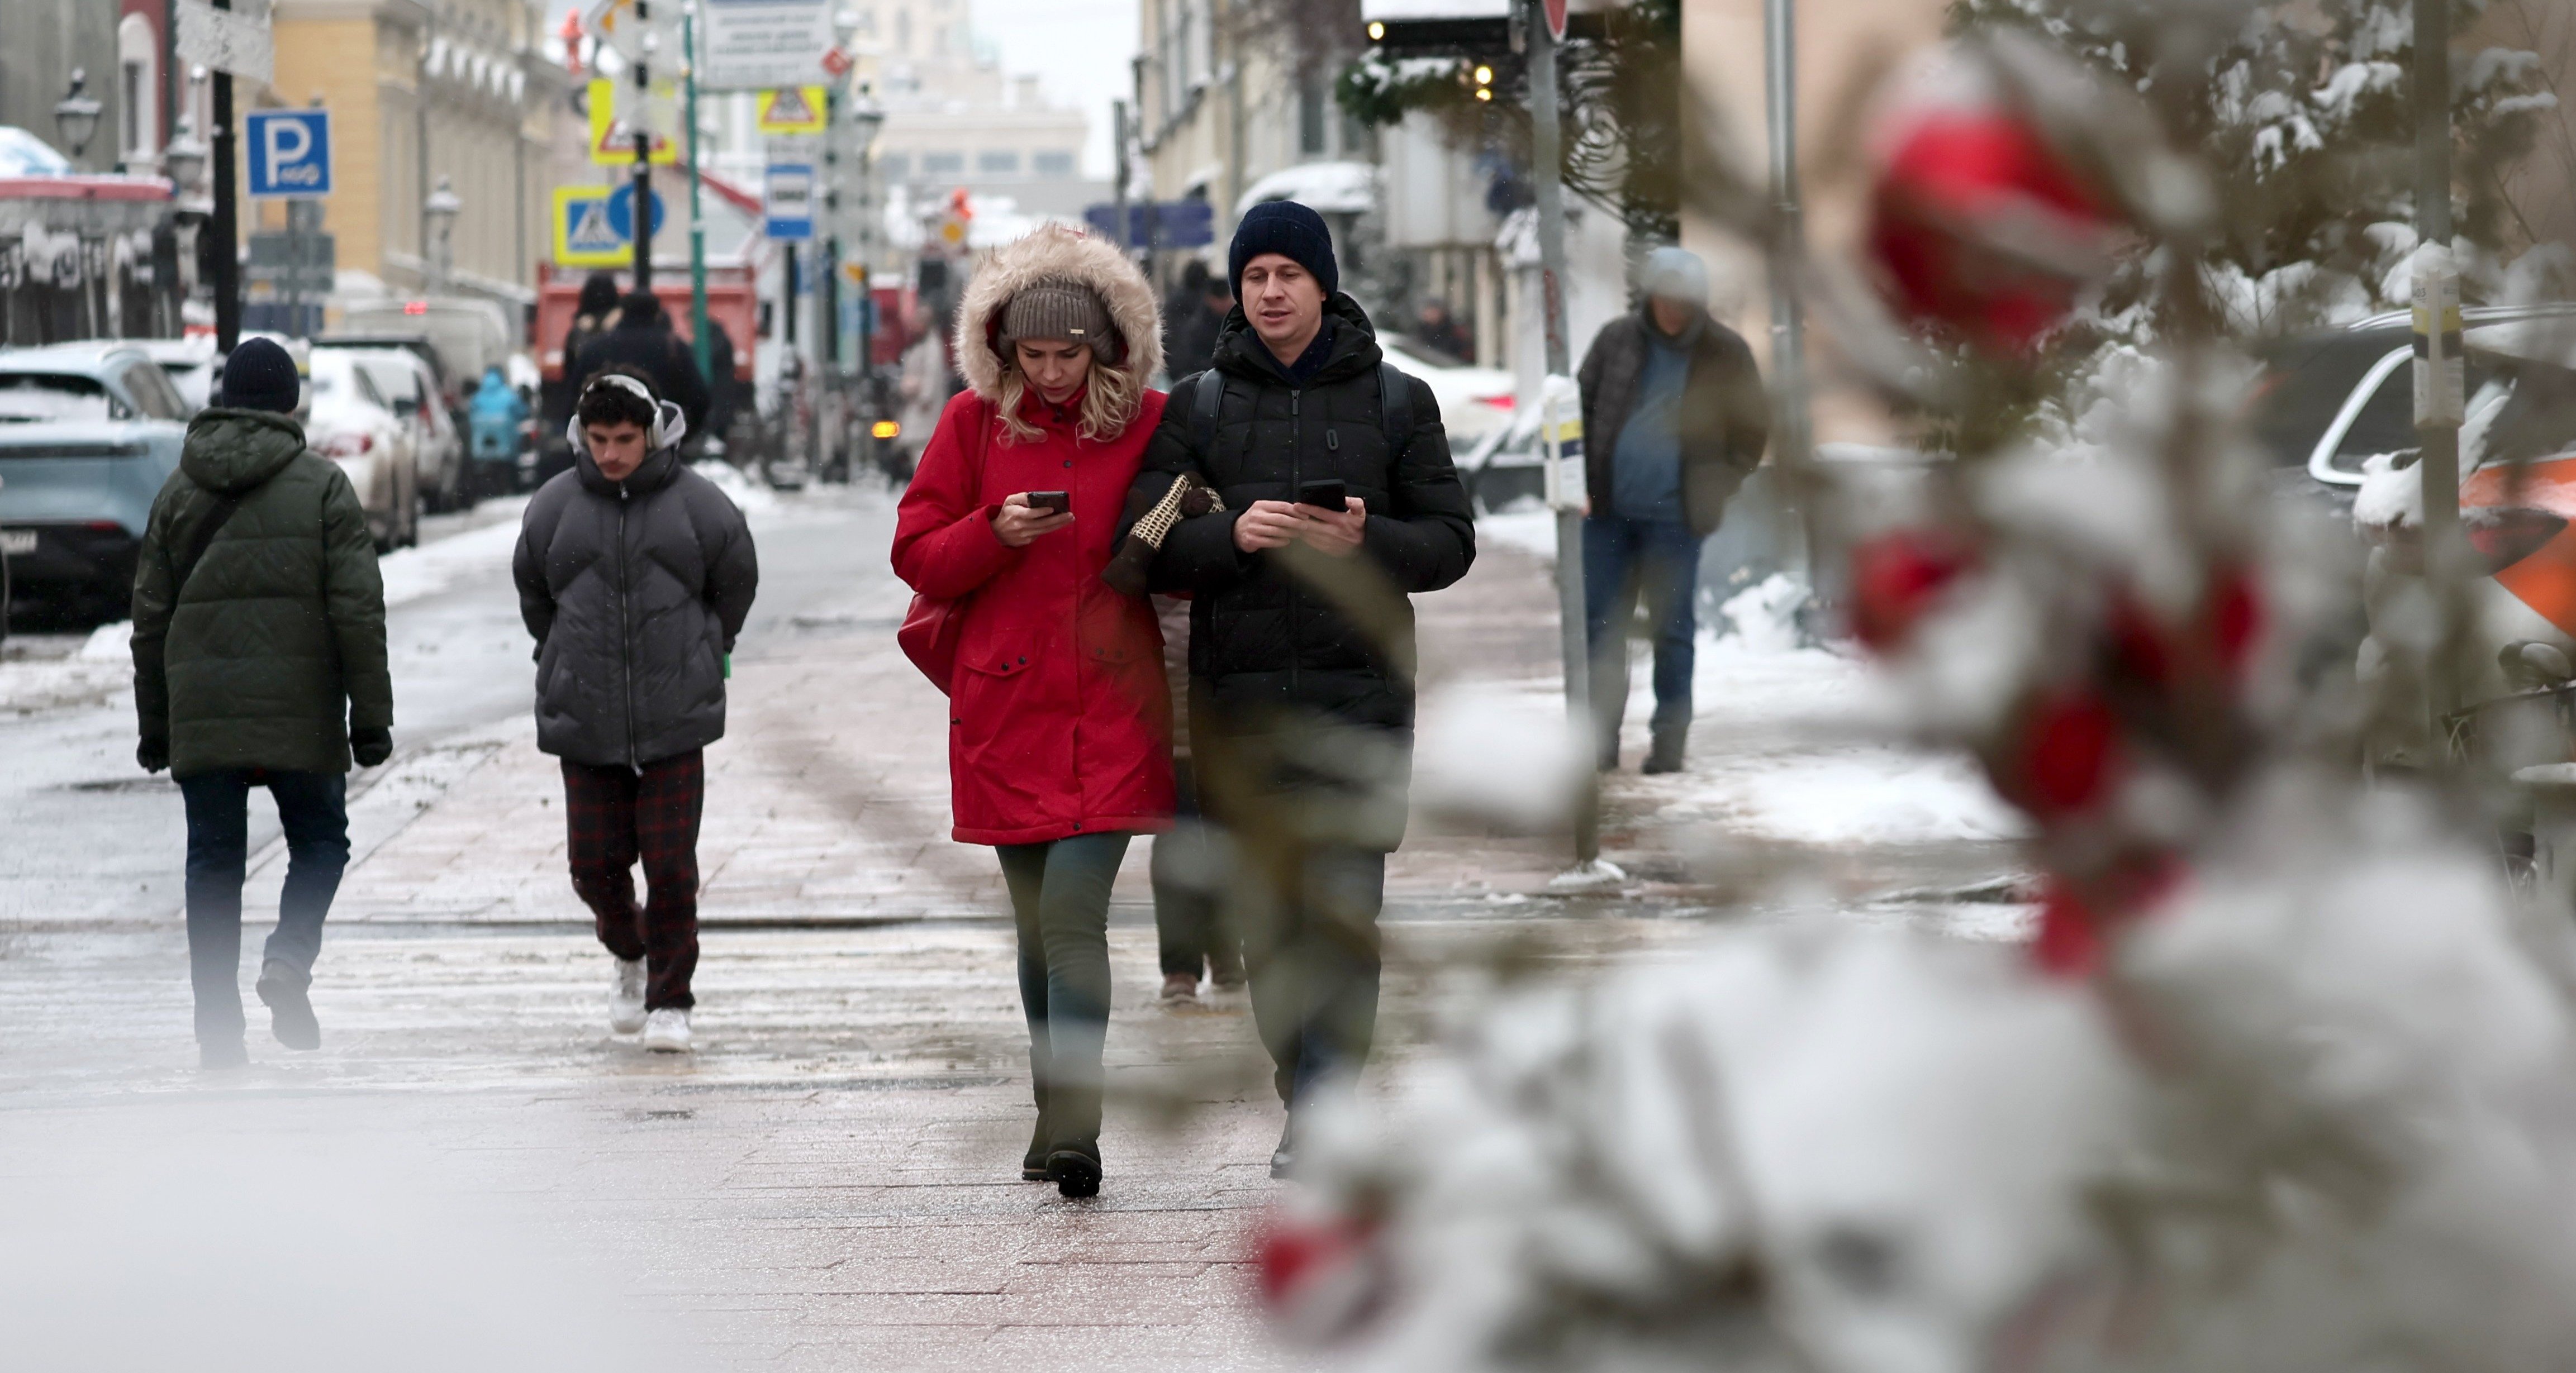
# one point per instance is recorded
(666, 1031)
(626, 997)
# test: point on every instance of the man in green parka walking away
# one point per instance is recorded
(259, 661)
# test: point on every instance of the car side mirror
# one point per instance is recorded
(406, 406)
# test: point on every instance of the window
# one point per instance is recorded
(53, 396)
(997, 162)
(138, 91)
(1053, 164)
(942, 164)
(1311, 100)
(153, 392)
(896, 166)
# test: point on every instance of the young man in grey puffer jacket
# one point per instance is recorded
(635, 575)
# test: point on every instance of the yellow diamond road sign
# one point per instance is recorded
(792, 110)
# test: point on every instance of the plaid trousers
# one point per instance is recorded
(617, 815)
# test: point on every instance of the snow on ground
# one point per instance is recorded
(413, 573)
(1796, 743)
(1531, 531)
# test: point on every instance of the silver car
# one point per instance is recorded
(89, 432)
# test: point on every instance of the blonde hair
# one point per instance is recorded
(1111, 399)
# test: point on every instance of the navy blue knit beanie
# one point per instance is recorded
(258, 375)
(1290, 230)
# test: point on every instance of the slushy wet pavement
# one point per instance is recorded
(832, 1179)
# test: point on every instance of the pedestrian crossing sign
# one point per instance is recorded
(585, 235)
(793, 110)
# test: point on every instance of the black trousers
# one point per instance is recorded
(1190, 867)
(313, 809)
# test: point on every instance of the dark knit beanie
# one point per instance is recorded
(1290, 230)
(598, 294)
(1057, 308)
(260, 376)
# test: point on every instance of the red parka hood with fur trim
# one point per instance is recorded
(1059, 718)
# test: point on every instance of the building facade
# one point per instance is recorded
(953, 119)
(425, 91)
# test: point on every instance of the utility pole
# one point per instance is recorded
(698, 342)
(1118, 177)
(1546, 137)
(1791, 432)
(225, 224)
(2438, 372)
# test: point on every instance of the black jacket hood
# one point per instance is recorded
(232, 451)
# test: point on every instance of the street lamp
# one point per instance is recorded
(185, 159)
(440, 210)
(76, 115)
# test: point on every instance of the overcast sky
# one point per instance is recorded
(1080, 49)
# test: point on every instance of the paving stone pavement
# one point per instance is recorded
(831, 1181)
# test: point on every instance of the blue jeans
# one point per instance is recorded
(313, 808)
(1622, 559)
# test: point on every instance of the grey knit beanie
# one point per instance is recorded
(1061, 309)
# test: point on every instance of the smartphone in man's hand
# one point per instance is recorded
(1052, 502)
(1325, 495)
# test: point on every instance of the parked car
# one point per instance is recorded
(411, 390)
(1474, 401)
(88, 434)
(354, 425)
(189, 363)
(460, 335)
(1507, 467)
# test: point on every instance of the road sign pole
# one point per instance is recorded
(225, 226)
(1573, 637)
(698, 342)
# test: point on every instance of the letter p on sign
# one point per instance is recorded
(290, 153)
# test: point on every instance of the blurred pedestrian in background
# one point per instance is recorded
(644, 341)
(259, 661)
(635, 574)
(594, 314)
(1059, 743)
(1192, 865)
(1338, 495)
(1440, 331)
(496, 415)
(1674, 418)
(1192, 320)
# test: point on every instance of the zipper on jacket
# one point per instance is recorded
(626, 631)
(1296, 473)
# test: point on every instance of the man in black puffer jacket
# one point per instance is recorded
(635, 574)
(1301, 639)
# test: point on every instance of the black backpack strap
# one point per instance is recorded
(1395, 409)
(215, 520)
(1207, 398)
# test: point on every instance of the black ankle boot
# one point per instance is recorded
(290, 1009)
(1074, 1168)
(1666, 755)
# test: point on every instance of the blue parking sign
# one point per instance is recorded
(290, 153)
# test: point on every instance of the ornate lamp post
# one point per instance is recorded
(76, 116)
(440, 210)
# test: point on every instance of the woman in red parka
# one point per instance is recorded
(1059, 721)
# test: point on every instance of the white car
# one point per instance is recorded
(1507, 467)
(410, 389)
(353, 424)
(1474, 401)
(189, 363)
